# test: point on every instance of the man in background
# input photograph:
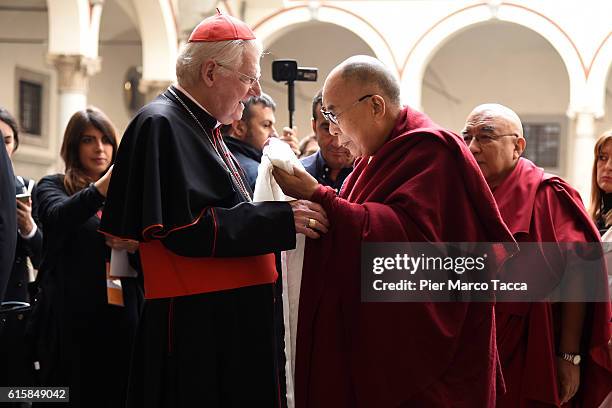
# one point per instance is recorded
(246, 137)
(333, 162)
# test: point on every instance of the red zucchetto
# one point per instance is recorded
(221, 27)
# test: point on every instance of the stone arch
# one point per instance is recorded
(69, 28)
(279, 23)
(600, 69)
(413, 68)
(158, 33)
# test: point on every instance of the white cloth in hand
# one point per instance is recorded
(278, 154)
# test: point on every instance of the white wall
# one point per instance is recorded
(106, 87)
(496, 62)
(24, 45)
(605, 123)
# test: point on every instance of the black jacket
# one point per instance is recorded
(8, 221)
(248, 157)
(17, 289)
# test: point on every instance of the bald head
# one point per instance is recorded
(366, 71)
(499, 113)
(361, 100)
(494, 135)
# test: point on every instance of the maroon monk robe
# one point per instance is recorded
(422, 185)
(539, 207)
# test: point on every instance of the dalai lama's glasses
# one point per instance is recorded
(484, 139)
(244, 78)
(333, 117)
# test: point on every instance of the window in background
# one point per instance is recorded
(30, 107)
(546, 139)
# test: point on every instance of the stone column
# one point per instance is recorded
(152, 87)
(73, 72)
(582, 154)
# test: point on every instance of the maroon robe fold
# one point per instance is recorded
(540, 207)
(423, 185)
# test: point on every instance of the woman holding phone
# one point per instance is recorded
(86, 319)
(17, 367)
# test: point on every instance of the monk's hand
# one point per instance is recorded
(568, 376)
(299, 185)
(122, 244)
(310, 218)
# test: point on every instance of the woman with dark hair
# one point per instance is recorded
(16, 365)
(86, 320)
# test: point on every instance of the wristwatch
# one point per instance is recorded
(571, 357)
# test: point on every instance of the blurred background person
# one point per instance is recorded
(89, 320)
(246, 137)
(332, 163)
(17, 368)
(601, 183)
(308, 146)
(601, 194)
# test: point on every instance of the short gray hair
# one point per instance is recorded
(227, 53)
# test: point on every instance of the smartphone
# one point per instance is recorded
(24, 197)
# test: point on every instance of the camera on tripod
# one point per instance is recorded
(288, 70)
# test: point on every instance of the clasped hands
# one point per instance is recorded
(310, 218)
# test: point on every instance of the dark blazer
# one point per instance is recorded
(8, 220)
(315, 166)
(248, 157)
(17, 289)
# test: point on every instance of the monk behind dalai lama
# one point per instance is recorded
(413, 182)
(552, 354)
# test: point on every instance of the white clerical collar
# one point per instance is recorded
(180, 88)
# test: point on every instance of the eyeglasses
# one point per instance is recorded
(333, 117)
(484, 139)
(244, 78)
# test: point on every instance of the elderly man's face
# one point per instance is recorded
(233, 87)
(348, 105)
(493, 142)
(335, 155)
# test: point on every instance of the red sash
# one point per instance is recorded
(169, 275)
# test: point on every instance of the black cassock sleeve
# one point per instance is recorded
(247, 229)
(8, 220)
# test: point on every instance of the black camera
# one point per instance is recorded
(288, 70)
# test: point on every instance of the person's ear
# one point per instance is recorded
(207, 72)
(519, 147)
(313, 123)
(239, 129)
(378, 106)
